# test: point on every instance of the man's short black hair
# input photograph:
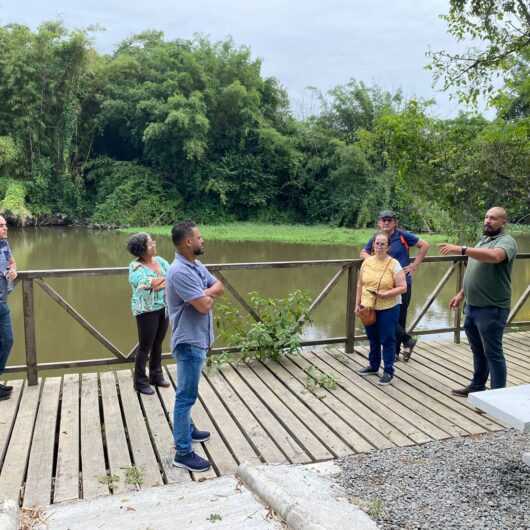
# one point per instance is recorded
(137, 244)
(182, 230)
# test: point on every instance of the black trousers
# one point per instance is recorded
(402, 337)
(152, 328)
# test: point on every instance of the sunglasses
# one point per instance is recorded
(387, 219)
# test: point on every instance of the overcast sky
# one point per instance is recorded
(301, 42)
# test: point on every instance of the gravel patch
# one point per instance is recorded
(477, 482)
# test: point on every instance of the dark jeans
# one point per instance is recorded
(484, 327)
(6, 335)
(402, 337)
(152, 329)
(190, 360)
(382, 334)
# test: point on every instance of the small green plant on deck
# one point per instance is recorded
(109, 480)
(316, 379)
(134, 476)
(278, 332)
(214, 518)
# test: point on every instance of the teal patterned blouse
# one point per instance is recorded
(144, 299)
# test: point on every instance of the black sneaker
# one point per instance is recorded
(463, 392)
(367, 370)
(7, 388)
(385, 379)
(144, 389)
(199, 436)
(192, 462)
(407, 350)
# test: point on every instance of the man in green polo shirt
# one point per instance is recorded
(487, 293)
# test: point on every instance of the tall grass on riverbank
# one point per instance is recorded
(303, 234)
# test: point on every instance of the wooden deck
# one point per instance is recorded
(81, 436)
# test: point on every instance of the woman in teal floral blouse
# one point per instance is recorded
(147, 276)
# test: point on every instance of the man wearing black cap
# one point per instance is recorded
(400, 242)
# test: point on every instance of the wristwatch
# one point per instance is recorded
(464, 251)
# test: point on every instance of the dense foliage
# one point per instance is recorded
(164, 129)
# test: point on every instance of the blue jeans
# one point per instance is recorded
(6, 335)
(484, 327)
(382, 334)
(190, 360)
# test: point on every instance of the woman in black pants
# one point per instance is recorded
(147, 276)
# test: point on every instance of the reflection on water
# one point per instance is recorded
(104, 301)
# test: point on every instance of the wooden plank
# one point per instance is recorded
(460, 356)
(218, 454)
(115, 438)
(38, 490)
(162, 437)
(281, 436)
(451, 408)
(312, 445)
(355, 414)
(298, 407)
(28, 306)
(67, 472)
(16, 458)
(394, 399)
(379, 412)
(318, 405)
(92, 456)
(232, 435)
(8, 415)
(517, 367)
(351, 294)
(264, 446)
(421, 403)
(142, 450)
(438, 382)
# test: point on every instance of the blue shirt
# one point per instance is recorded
(186, 281)
(5, 258)
(397, 249)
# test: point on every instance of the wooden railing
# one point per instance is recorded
(350, 268)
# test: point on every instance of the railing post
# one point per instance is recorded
(350, 308)
(29, 331)
(458, 311)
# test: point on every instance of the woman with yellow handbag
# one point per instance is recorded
(379, 287)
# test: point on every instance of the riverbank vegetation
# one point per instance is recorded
(295, 233)
(160, 130)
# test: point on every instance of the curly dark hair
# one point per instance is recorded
(181, 230)
(137, 244)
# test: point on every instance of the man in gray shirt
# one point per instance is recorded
(8, 273)
(190, 293)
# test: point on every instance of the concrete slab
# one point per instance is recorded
(221, 503)
(9, 514)
(526, 458)
(305, 497)
(509, 405)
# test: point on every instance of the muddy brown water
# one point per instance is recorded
(105, 301)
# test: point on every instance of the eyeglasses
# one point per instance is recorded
(387, 219)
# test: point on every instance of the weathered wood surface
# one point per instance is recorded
(77, 436)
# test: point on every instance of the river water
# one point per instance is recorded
(105, 301)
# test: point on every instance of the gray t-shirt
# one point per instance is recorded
(5, 258)
(490, 284)
(186, 281)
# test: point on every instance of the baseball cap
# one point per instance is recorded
(387, 213)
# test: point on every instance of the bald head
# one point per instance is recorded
(494, 221)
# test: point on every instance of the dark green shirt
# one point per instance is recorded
(490, 284)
